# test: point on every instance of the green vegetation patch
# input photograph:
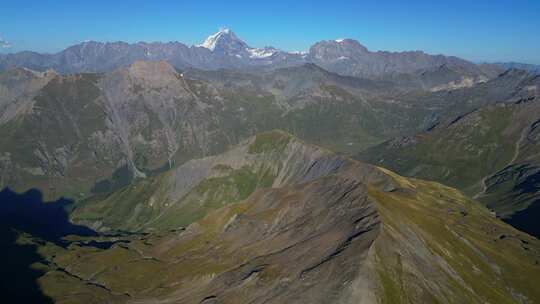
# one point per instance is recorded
(214, 193)
(483, 266)
(391, 290)
(270, 141)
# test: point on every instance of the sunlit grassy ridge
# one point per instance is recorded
(490, 154)
(484, 259)
(270, 141)
(154, 209)
(295, 221)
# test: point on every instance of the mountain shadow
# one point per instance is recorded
(28, 213)
(527, 220)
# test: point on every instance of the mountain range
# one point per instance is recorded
(223, 173)
(531, 68)
(277, 220)
(224, 50)
(86, 133)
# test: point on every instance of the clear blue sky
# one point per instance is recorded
(478, 30)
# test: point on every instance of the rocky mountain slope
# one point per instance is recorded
(316, 228)
(225, 50)
(96, 132)
(81, 134)
(18, 88)
(349, 57)
(490, 153)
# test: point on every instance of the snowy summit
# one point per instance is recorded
(212, 40)
(226, 41)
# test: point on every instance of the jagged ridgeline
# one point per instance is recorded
(276, 220)
(225, 50)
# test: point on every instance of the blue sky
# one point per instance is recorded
(481, 30)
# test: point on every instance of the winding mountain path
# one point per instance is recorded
(518, 143)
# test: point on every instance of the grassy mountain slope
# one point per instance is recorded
(328, 230)
(490, 153)
(78, 135)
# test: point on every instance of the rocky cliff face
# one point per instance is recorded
(321, 229)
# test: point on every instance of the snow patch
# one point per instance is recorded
(261, 53)
(210, 42)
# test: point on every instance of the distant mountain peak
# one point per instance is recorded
(352, 43)
(341, 44)
(223, 39)
(224, 49)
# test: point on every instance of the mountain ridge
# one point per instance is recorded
(226, 50)
(490, 153)
(149, 116)
(320, 228)
(532, 68)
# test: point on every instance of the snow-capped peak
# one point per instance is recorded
(226, 42)
(210, 42)
(224, 34)
(340, 40)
